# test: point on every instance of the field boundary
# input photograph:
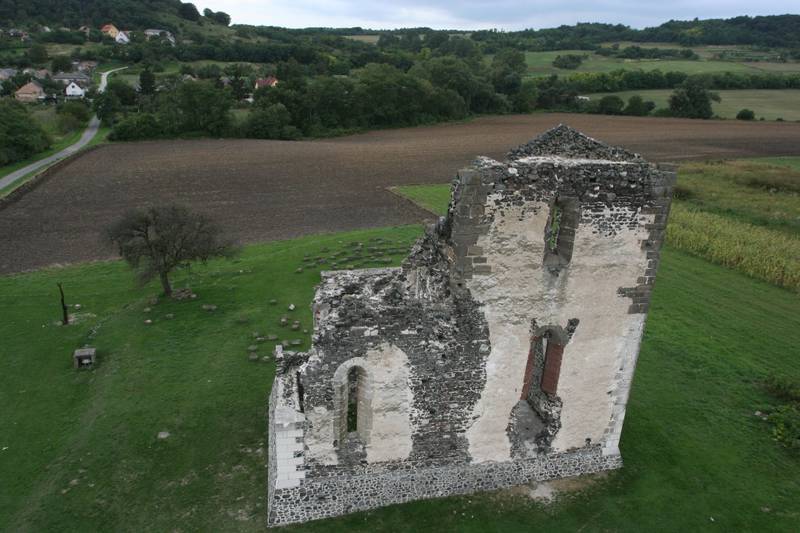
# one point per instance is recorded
(41, 177)
(396, 191)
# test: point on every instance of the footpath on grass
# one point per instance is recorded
(85, 139)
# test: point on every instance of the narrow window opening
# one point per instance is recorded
(301, 393)
(559, 234)
(352, 400)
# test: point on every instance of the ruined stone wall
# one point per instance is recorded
(559, 244)
(371, 488)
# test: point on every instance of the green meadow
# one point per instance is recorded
(80, 451)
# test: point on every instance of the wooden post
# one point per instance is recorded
(65, 318)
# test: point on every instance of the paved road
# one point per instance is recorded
(88, 135)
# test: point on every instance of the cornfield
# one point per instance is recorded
(757, 251)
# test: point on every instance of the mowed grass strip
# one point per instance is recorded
(80, 450)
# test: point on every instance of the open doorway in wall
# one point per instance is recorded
(536, 418)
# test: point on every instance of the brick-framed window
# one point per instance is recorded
(544, 371)
(553, 354)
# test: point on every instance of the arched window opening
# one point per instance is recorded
(352, 399)
(352, 404)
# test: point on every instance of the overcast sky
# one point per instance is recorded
(481, 14)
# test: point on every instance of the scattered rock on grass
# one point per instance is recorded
(163, 435)
(253, 357)
(209, 307)
(292, 307)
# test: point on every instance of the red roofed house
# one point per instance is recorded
(269, 81)
(110, 30)
(30, 92)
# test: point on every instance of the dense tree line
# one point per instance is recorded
(303, 104)
(126, 14)
(20, 136)
(775, 31)
(637, 52)
(630, 80)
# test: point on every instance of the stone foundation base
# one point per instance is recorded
(333, 496)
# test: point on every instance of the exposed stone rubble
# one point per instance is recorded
(500, 353)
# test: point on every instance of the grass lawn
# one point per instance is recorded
(79, 449)
(770, 104)
(431, 197)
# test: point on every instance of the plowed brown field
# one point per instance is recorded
(264, 190)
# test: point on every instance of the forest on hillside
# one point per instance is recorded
(771, 31)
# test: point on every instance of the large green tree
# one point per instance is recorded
(20, 135)
(692, 100)
(157, 240)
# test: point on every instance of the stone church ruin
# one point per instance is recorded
(500, 353)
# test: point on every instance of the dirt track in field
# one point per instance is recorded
(266, 190)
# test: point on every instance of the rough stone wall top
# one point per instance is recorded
(566, 142)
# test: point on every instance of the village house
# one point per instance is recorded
(39, 74)
(123, 37)
(30, 92)
(81, 78)
(110, 30)
(74, 90)
(86, 30)
(85, 66)
(269, 81)
(7, 73)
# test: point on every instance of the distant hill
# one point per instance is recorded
(781, 31)
(773, 31)
(136, 14)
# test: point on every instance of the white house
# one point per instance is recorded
(74, 90)
(123, 37)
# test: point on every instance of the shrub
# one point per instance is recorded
(136, 127)
(610, 105)
(568, 61)
(72, 115)
(746, 114)
(269, 123)
(784, 418)
(638, 107)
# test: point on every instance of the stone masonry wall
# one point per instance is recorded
(559, 243)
